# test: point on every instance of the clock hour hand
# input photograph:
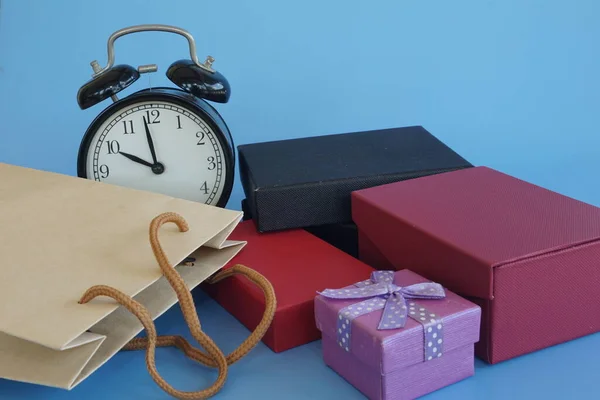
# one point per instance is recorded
(150, 142)
(136, 159)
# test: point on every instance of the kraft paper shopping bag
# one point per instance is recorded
(61, 236)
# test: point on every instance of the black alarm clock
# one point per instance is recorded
(165, 140)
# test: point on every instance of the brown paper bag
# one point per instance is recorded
(61, 235)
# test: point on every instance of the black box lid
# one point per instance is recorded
(298, 183)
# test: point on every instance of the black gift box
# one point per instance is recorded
(342, 236)
(306, 182)
(246, 214)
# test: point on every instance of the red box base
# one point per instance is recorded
(298, 264)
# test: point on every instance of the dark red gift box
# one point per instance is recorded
(528, 256)
(298, 264)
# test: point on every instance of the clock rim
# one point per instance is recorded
(205, 111)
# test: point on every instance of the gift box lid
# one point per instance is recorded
(297, 264)
(297, 183)
(449, 323)
(487, 218)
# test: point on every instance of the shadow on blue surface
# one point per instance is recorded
(301, 374)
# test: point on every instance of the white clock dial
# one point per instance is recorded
(190, 161)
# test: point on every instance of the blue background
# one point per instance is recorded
(511, 84)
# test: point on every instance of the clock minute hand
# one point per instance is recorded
(136, 159)
(150, 142)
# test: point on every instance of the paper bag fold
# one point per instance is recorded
(62, 235)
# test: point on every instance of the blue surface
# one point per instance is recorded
(565, 371)
(510, 84)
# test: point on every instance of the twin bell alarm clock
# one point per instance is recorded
(168, 140)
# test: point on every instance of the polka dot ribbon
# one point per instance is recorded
(381, 293)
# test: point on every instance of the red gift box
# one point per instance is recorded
(529, 257)
(298, 265)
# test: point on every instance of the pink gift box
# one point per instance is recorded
(426, 340)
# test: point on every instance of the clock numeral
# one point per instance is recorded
(128, 127)
(113, 147)
(211, 163)
(155, 114)
(104, 171)
(204, 187)
(179, 122)
(200, 135)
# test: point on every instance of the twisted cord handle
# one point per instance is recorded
(213, 357)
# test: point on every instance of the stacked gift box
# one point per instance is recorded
(406, 260)
(306, 183)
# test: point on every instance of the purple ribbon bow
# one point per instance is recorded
(380, 292)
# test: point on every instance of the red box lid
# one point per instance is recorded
(493, 219)
(298, 264)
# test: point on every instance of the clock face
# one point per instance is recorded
(161, 147)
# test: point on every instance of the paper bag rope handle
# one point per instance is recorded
(215, 357)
